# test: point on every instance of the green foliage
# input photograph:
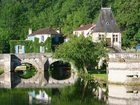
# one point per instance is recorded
(82, 51)
(1, 46)
(31, 46)
(48, 45)
(36, 45)
(65, 14)
(128, 19)
(26, 43)
(1, 71)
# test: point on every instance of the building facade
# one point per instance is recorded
(84, 30)
(106, 29)
(42, 35)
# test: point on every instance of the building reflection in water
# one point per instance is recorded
(123, 95)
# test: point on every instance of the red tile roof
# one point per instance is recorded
(45, 31)
(85, 27)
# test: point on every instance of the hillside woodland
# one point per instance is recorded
(17, 16)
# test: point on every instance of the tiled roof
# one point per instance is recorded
(45, 31)
(85, 27)
(106, 22)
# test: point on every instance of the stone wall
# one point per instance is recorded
(123, 95)
(5, 64)
(124, 68)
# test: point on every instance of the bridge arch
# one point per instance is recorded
(60, 70)
(26, 71)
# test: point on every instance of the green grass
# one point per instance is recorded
(100, 77)
(1, 71)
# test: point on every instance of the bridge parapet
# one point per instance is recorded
(32, 55)
(124, 57)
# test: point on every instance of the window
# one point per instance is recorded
(107, 23)
(115, 38)
(101, 37)
(19, 47)
(42, 38)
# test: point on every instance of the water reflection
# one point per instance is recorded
(123, 95)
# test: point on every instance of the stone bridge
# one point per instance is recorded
(41, 62)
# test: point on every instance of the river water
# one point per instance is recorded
(109, 95)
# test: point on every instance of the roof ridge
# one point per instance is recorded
(44, 31)
(85, 26)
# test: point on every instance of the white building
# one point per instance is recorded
(84, 30)
(105, 29)
(42, 35)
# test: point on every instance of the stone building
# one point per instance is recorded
(106, 29)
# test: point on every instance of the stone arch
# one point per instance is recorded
(26, 70)
(60, 70)
(34, 81)
(29, 62)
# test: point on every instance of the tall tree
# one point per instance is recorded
(82, 51)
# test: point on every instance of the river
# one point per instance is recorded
(76, 95)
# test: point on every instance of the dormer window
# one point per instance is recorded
(107, 23)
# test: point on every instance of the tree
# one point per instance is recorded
(81, 51)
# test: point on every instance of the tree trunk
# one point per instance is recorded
(84, 89)
(85, 69)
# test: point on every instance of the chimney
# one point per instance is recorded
(30, 31)
(58, 31)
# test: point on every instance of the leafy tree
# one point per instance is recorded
(127, 14)
(82, 51)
